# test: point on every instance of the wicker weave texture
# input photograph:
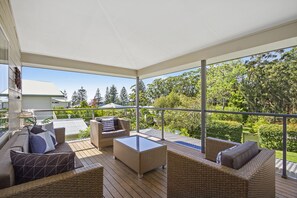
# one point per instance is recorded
(81, 182)
(199, 177)
(97, 129)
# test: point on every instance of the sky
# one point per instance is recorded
(72, 81)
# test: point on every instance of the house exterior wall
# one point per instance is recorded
(38, 102)
(8, 26)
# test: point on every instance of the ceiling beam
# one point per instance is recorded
(278, 37)
(48, 62)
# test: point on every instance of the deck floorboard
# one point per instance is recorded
(121, 181)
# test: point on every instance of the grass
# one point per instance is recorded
(291, 156)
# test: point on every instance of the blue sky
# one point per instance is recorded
(72, 81)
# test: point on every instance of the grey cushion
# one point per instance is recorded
(240, 155)
(112, 134)
(28, 166)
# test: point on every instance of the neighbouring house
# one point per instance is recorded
(3, 103)
(41, 95)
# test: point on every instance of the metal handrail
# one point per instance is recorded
(284, 116)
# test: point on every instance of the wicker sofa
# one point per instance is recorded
(189, 176)
(81, 182)
(101, 139)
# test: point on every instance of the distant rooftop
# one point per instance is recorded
(38, 88)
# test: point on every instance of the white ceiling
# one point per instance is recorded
(136, 34)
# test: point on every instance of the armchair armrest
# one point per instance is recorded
(60, 135)
(214, 146)
(82, 182)
(125, 124)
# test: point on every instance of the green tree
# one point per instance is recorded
(143, 100)
(64, 94)
(82, 94)
(113, 94)
(107, 96)
(84, 104)
(124, 97)
(74, 99)
(270, 83)
(223, 82)
(97, 97)
(182, 84)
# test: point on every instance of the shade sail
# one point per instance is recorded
(138, 35)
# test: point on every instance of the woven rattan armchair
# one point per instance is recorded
(82, 182)
(201, 177)
(101, 139)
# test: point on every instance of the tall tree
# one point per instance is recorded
(82, 94)
(143, 100)
(107, 96)
(74, 99)
(98, 97)
(113, 94)
(124, 96)
(64, 94)
(270, 84)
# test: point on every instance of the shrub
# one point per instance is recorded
(271, 136)
(226, 116)
(226, 130)
(84, 133)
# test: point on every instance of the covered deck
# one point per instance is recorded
(121, 181)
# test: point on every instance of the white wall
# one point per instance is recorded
(38, 102)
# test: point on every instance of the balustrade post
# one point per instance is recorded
(162, 115)
(137, 105)
(284, 174)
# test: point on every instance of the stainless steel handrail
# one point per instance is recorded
(284, 116)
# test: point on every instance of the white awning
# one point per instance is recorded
(145, 38)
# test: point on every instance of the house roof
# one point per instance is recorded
(38, 88)
(61, 100)
(146, 38)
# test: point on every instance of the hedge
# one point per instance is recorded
(271, 137)
(226, 130)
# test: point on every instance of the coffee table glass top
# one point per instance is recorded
(138, 143)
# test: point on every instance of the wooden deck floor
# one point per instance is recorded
(121, 181)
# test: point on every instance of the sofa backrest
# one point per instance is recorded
(18, 142)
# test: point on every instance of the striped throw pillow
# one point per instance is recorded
(108, 124)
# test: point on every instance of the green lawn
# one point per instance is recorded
(292, 157)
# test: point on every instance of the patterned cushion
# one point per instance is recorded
(240, 155)
(50, 127)
(108, 124)
(28, 166)
(41, 142)
(47, 127)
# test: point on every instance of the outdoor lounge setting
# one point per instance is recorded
(211, 111)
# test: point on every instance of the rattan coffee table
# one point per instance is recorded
(140, 154)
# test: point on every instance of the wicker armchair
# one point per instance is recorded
(82, 182)
(101, 139)
(200, 177)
